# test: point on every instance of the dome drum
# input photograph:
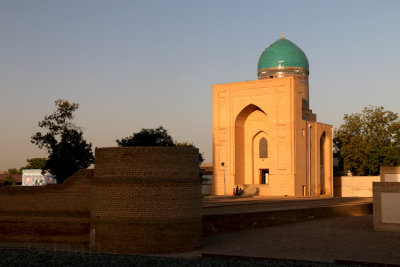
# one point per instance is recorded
(269, 73)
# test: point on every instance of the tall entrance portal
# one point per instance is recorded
(251, 145)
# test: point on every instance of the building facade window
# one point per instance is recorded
(263, 148)
(264, 176)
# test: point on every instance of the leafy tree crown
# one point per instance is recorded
(68, 151)
(148, 137)
(153, 137)
(368, 140)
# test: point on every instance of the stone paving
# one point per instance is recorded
(344, 239)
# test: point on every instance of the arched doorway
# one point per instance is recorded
(260, 170)
(249, 122)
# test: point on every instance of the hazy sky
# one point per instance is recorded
(141, 64)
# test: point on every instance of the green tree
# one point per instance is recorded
(68, 151)
(13, 171)
(148, 137)
(367, 141)
(9, 179)
(35, 163)
(153, 137)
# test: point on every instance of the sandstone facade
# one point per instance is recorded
(265, 136)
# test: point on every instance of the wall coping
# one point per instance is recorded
(148, 148)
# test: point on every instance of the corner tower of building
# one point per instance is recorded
(283, 58)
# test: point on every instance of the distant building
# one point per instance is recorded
(265, 135)
(206, 178)
(206, 168)
(34, 177)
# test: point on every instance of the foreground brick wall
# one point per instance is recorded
(146, 200)
(49, 214)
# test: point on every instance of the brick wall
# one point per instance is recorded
(49, 214)
(146, 200)
(136, 200)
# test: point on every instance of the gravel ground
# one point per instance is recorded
(33, 257)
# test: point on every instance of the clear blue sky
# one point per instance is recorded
(141, 64)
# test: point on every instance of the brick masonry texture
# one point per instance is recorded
(146, 200)
(136, 200)
(49, 214)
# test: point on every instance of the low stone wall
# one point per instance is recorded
(354, 186)
(47, 214)
(390, 174)
(214, 224)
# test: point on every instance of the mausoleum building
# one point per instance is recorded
(266, 139)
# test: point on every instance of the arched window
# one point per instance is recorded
(263, 148)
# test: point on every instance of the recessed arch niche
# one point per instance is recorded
(324, 163)
(249, 123)
(260, 156)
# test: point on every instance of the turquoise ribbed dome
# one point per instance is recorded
(283, 53)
